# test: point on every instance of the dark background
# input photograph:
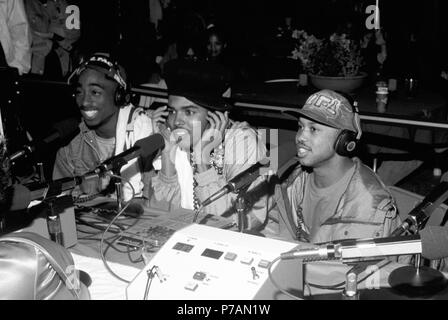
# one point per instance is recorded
(123, 27)
(250, 25)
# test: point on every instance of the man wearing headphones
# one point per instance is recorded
(111, 125)
(330, 196)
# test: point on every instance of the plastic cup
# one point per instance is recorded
(382, 94)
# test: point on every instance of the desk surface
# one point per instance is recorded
(128, 263)
(125, 262)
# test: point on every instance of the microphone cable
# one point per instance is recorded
(103, 258)
(151, 274)
(196, 215)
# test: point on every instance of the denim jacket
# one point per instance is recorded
(365, 210)
(82, 155)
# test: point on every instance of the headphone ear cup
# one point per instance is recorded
(345, 143)
(122, 97)
(119, 97)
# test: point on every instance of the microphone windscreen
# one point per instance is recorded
(434, 242)
(19, 197)
(66, 127)
(150, 144)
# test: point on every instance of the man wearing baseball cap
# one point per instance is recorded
(110, 125)
(204, 148)
(331, 195)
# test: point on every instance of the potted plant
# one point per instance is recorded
(334, 63)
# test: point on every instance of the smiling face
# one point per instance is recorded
(186, 120)
(315, 143)
(95, 98)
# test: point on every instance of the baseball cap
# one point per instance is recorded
(103, 63)
(202, 83)
(331, 109)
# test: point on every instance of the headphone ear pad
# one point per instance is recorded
(118, 97)
(345, 143)
(122, 97)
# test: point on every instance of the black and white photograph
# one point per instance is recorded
(223, 158)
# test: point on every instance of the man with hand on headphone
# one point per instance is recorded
(110, 125)
(330, 195)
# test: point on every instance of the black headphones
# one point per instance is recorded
(102, 62)
(347, 140)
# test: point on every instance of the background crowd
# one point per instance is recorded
(242, 35)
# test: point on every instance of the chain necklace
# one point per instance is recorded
(195, 183)
(216, 161)
(301, 230)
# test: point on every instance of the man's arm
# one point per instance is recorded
(20, 36)
(242, 150)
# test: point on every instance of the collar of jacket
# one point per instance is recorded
(359, 183)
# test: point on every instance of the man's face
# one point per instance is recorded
(95, 97)
(315, 143)
(186, 120)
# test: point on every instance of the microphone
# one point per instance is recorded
(421, 213)
(241, 180)
(432, 243)
(21, 195)
(60, 130)
(143, 147)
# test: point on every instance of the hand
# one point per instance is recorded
(158, 118)
(169, 138)
(212, 136)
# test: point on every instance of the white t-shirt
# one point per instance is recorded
(106, 148)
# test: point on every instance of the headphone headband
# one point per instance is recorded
(357, 120)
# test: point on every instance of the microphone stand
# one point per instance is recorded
(351, 291)
(351, 286)
(118, 190)
(54, 224)
(417, 280)
(53, 219)
(241, 209)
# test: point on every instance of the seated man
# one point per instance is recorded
(204, 149)
(110, 125)
(331, 196)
